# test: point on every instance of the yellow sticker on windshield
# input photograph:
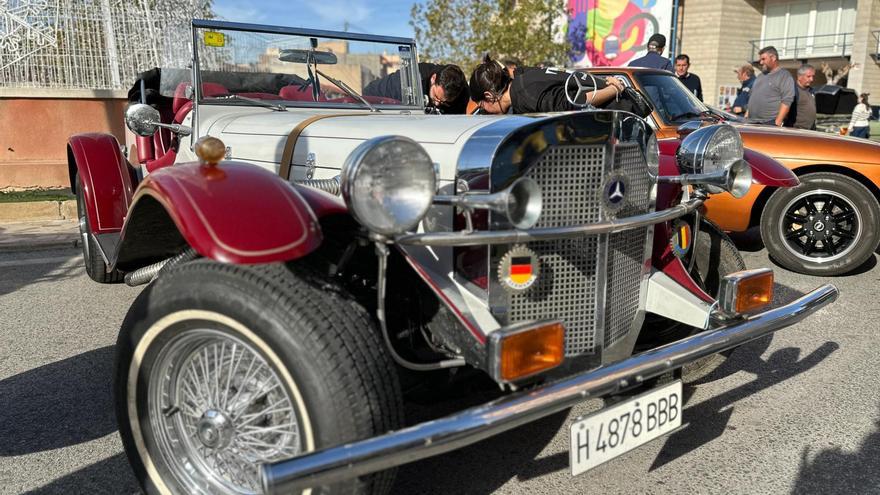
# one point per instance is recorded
(213, 38)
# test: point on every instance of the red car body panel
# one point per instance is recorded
(105, 178)
(322, 203)
(667, 195)
(765, 170)
(235, 212)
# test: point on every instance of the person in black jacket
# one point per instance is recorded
(535, 90)
(442, 85)
(690, 81)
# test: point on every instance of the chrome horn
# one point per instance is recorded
(736, 180)
(520, 203)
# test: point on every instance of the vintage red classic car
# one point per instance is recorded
(827, 224)
(309, 249)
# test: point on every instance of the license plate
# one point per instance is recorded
(611, 432)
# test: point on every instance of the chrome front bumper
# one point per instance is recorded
(472, 425)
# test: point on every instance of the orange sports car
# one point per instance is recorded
(827, 225)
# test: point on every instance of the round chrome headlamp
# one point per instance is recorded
(388, 183)
(710, 149)
(652, 155)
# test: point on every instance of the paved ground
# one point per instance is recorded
(39, 234)
(798, 413)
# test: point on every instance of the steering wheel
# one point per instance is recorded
(581, 89)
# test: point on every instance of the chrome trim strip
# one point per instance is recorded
(472, 425)
(547, 233)
(320, 33)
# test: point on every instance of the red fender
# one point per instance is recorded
(765, 170)
(233, 212)
(105, 178)
(769, 172)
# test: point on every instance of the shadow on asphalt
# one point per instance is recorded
(100, 478)
(833, 470)
(748, 241)
(13, 278)
(60, 404)
(708, 420)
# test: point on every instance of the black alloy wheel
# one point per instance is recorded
(828, 225)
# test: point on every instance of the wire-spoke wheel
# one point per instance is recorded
(219, 409)
(222, 368)
(825, 226)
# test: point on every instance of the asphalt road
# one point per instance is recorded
(795, 413)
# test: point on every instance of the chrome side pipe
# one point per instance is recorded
(472, 425)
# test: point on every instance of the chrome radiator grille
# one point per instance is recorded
(572, 271)
(626, 249)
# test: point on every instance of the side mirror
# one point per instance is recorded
(145, 120)
(142, 119)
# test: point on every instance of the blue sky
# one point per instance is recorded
(385, 17)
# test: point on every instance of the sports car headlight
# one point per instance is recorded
(652, 156)
(388, 183)
(710, 149)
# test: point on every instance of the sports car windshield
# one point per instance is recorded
(671, 98)
(278, 67)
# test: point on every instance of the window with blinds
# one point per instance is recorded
(814, 28)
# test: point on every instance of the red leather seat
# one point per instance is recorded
(293, 92)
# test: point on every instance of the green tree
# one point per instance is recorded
(462, 31)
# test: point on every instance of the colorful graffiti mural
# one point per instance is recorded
(613, 32)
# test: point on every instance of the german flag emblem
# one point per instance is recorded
(518, 269)
(682, 238)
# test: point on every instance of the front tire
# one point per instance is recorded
(220, 368)
(825, 226)
(716, 256)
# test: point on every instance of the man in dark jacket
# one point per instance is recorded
(443, 86)
(690, 81)
(654, 59)
(746, 76)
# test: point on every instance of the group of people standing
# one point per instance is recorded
(774, 98)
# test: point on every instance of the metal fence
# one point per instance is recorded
(92, 44)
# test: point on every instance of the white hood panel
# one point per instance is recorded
(259, 137)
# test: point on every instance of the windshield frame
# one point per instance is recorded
(203, 24)
(699, 105)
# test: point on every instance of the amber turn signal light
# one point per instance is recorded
(746, 291)
(525, 350)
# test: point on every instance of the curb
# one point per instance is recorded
(28, 211)
(42, 244)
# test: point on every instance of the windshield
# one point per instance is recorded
(299, 67)
(671, 98)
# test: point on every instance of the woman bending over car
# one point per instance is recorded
(537, 90)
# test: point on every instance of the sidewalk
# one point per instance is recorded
(38, 234)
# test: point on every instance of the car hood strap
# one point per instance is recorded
(293, 137)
